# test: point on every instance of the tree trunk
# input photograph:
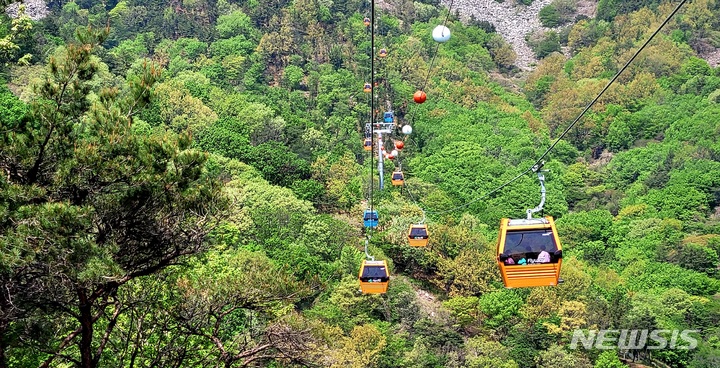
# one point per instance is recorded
(3, 363)
(3, 343)
(86, 331)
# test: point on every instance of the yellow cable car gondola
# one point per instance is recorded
(418, 235)
(397, 178)
(367, 88)
(529, 252)
(374, 277)
(383, 52)
(367, 144)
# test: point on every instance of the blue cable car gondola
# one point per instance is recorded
(370, 218)
(388, 117)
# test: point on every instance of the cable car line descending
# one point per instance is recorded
(418, 234)
(372, 213)
(374, 276)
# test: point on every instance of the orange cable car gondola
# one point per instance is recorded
(374, 277)
(383, 53)
(418, 235)
(367, 88)
(397, 178)
(367, 144)
(529, 252)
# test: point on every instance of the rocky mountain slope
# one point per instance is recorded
(35, 9)
(512, 20)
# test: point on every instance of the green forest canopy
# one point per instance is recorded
(185, 186)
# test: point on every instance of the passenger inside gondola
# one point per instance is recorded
(507, 258)
(374, 274)
(544, 256)
(533, 246)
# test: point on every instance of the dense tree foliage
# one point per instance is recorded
(182, 182)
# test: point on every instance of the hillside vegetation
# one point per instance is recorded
(183, 184)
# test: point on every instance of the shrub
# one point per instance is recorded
(549, 16)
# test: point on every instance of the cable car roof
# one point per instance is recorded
(528, 222)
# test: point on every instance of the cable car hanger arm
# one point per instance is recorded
(539, 207)
(366, 252)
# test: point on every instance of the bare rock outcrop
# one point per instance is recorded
(512, 20)
(35, 9)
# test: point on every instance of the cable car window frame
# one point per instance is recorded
(380, 272)
(513, 250)
(414, 230)
(370, 216)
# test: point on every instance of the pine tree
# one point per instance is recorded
(88, 204)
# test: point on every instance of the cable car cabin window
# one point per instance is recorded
(418, 233)
(370, 216)
(374, 274)
(529, 244)
(397, 176)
